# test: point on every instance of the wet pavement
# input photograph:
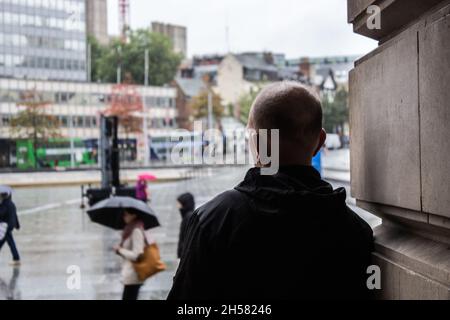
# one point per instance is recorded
(57, 234)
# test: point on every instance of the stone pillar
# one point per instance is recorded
(400, 143)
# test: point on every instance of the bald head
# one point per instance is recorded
(293, 109)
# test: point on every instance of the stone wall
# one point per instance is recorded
(400, 135)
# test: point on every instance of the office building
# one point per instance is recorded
(43, 39)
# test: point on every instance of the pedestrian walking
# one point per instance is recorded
(186, 205)
(288, 235)
(140, 253)
(10, 221)
(141, 190)
(130, 248)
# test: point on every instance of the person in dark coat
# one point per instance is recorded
(8, 215)
(283, 236)
(186, 205)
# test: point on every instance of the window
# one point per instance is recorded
(6, 118)
(80, 122)
(32, 62)
(54, 63)
(40, 62)
(64, 121)
(62, 97)
(8, 60)
(7, 17)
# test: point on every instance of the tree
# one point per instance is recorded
(125, 103)
(98, 51)
(163, 62)
(335, 111)
(32, 122)
(245, 103)
(199, 105)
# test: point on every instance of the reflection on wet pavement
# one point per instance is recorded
(8, 287)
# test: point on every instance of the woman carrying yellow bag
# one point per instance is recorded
(140, 256)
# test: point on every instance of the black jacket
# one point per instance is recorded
(8, 214)
(188, 205)
(286, 236)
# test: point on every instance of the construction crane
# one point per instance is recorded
(124, 18)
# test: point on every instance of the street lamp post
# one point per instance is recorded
(145, 123)
(72, 148)
(119, 66)
(210, 109)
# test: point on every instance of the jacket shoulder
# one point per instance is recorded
(228, 202)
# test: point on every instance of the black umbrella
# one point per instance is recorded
(109, 212)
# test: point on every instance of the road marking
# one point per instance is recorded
(49, 206)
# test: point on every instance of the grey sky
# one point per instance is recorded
(294, 27)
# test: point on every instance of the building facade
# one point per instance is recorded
(231, 80)
(78, 106)
(97, 20)
(400, 146)
(238, 74)
(43, 39)
(177, 34)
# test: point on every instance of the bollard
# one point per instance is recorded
(82, 205)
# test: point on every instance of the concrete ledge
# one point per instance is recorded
(412, 267)
(395, 15)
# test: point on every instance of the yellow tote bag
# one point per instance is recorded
(149, 263)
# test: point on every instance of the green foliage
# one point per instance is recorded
(199, 105)
(97, 53)
(246, 102)
(163, 62)
(33, 122)
(335, 110)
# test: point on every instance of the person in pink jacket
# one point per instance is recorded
(141, 190)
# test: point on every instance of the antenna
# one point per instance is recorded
(124, 18)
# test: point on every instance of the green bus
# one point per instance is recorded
(53, 153)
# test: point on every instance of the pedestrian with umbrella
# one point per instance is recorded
(140, 254)
(8, 222)
(141, 187)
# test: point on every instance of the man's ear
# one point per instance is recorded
(322, 138)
